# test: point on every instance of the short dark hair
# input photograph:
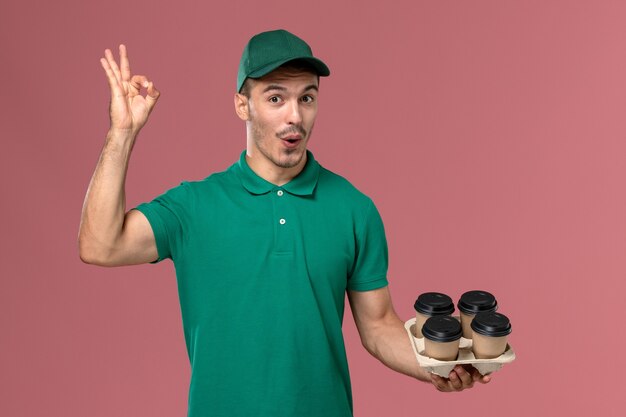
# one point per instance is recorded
(294, 65)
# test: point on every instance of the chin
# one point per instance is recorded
(290, 159)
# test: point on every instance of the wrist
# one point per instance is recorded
(119, 131)
(422, 375)
(121, 135)
(120, 141)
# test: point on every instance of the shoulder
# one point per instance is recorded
(189, 193)
(220, 179)
(338, 186)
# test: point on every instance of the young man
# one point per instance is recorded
(264, 251)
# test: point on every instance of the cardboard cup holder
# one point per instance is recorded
(466, 356)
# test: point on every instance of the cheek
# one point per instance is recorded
(262, 117)
(311, 117)
(261, 126)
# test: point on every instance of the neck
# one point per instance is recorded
(270, 172)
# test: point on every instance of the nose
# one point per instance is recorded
(294, 115)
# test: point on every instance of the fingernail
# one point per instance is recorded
(145, 84)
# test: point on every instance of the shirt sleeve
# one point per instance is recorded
(370, 266)
(167, 215)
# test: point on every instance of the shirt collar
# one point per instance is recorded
(302, 184)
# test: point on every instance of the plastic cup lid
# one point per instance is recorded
(434, 304)
(474, 302)
(491, 324)
(442, 329)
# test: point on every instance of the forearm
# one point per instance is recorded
(389, 342)
(102, 218)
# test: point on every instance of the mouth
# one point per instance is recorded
(291, 141)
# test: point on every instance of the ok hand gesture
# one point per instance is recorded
(129, 110)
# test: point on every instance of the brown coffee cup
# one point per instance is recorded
(490, 334)
(431, 304)
(472, 303)
(442, 335)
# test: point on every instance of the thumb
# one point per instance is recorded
(152, 96)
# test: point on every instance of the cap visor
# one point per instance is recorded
(321, 68)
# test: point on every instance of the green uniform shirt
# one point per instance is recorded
(262, 273)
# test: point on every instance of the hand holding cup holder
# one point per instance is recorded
(433, 335)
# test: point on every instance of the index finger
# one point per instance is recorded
(464, 376)
(116, 90)
(476, 375)
(124, 63)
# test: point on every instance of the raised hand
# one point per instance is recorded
(129, 110)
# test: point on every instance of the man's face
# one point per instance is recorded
(281, 113)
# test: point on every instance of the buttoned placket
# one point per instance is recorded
(283, 231)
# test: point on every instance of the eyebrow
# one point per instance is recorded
(279, 87)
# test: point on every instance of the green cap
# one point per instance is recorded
(269, 50)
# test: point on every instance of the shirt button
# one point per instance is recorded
(280, 193)
(281, 221)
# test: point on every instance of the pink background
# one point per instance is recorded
(489, 133)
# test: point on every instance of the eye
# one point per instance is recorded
(308, 99)
(274, 99)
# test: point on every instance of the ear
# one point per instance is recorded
(241, 106)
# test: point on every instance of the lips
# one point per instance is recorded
(291, 142)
